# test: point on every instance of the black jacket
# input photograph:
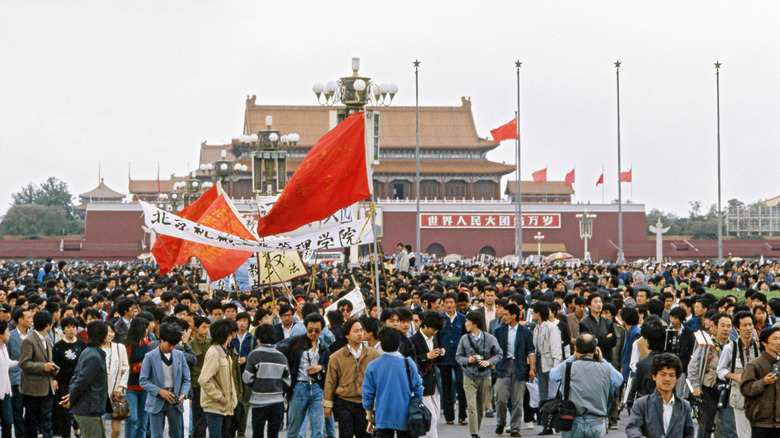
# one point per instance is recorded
(427, 367)
(687, 345)
(643, 383)
(293, 348)
(88, 395)
(600, 330)
(406, 348)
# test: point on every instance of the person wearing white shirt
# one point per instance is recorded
(6, 363)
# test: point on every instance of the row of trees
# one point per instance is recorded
(42, 210)
(698, 224)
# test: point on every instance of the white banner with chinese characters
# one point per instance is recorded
(355, 297)
(488, 221)
(169, 224)
(347, 214)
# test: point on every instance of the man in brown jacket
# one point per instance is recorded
(38, 386)
(761, 388)
(343, 392)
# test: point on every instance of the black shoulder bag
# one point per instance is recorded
(418, 420)
(559, 413)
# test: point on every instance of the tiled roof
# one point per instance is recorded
(441, 127)
(150, 185)
(549, 188)
(102, 191)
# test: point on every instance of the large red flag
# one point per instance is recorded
(191, 212)
(601, 180)
(333, 175)
(626, 176)
(569, 178)
(540, 176)
(505, 132)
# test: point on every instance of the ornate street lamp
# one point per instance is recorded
(539, 237)
(586, 230)
(355, 92)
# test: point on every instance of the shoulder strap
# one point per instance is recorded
(409, 376)
(568, 379)
(736, 346)
(473, 345)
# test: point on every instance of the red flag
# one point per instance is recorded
(505, 132)
(601, 180)
(540, 176)
(333, 175)
(191, 212)
(569, 178)
(626, 176)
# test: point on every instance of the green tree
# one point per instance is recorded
(46, 209)
(36, 219)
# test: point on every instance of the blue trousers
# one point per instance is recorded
(587, 426)
(175, 422)
(135, 426)
(306, 401)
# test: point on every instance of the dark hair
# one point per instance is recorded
(347, 304)
(592, 297)
(432, 320)
(476, 319)
(3, 326)
(666, 360)
(284, 308)
(265, 334)
(170, 333)
(741, 315)
(124, 305)
(313, 317)
(137, 331)
(513, 309)
(542, 309)
(70, 321)
(763, 337)
(347, 326)
(244, 315)
(18, 314)
(655, 307)
(41, 320)
(404, 314)
(387, 314)
(220, 330)
(198, 321)
(370, 325)
(629, 315)
(717, 317)
(586, 343)
(389, 339)
(96, 333)
(655, 334)
(678, 312)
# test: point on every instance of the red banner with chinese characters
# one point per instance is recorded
(502, 220)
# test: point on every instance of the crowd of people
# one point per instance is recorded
(678, 349)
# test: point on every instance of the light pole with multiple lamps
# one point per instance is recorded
(586, 230)
(539, 237)
(355, 92)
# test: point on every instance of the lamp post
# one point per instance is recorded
(222, 171)
(539, 237)
(586, 230)
(355, 92)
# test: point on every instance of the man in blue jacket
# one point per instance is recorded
(449, 337)
(386, 391)
(514, 369)
(165, 377)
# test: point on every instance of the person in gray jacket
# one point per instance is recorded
(477, 353)
(662, 413)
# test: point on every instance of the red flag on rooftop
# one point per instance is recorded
(505, 132)
(626, 176)
(601, 180)
(569, 178)
(540, 176)
(333, 175)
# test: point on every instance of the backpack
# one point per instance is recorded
(559, 413)
(418, 420)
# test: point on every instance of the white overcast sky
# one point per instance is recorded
(141, 82)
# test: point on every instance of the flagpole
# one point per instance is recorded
(603, 201)
(620, 259)
(518, 188)
(418, 259)
(720, 208)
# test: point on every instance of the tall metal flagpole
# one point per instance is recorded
(518, 189)
(418, 259)
(620, 259)
(720, 208)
